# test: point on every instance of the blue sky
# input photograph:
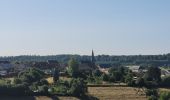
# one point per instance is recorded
(115, 27)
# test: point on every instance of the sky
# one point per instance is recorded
(114, 27)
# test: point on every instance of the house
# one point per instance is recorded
(3, 73)
(137, 70)
(49, 64)
(5, 65)
(165, 72)
(88, 65)
(104, 67)
(134, 68)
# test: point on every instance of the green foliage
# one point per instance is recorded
(140, 82)
(14, 90)
(4, 82)
(56, 75)
(77, 87)
(73, 67)
(98, 80)
(97, 73)
(117, 74)
(111, 78)
(61, 87)
(105, 77)
(164, 96)
(156, 60)
(91, 79)
(17, 81)
(153, 74)
(43, 89)
(129, 79)
(31, 75)
(150, 92)
(152, 97)
(166, 81)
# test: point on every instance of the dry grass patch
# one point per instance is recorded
(50, 79)
(115, 93)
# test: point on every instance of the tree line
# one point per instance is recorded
(145, 60)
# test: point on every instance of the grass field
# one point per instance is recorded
(115, 93)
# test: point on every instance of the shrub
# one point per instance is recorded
(152, 97)
(55, 75)
(61, 89)
(140, 82)
(77, 87)
(97, 73)
(17, 81)
(43, 89)
(14, 90)
(31, 75)
(111, 78)
(105, 77)
(151, 92)
(164, 96)
(129, 79)
(166, 81)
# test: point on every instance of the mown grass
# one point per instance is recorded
(115, 93)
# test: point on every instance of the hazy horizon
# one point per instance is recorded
(112, 27)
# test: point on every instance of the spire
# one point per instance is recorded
(92, 57)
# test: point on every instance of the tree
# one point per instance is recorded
(164, 96)
(55, 75)
(17, 81)
(97, 73)
(129, 79)
(77, 87)
(166, 81)
(118, 73)
(105, 77)
(73, 67)
(140, 82)
(153, 74)
(43, 89)
(31, 75)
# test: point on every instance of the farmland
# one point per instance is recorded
(115, 93)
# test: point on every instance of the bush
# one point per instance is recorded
(91, 79)
(77, 87)
(61, 89)
(97, 73)
(17, 81)
(152, 97)
(111, 78)
(164, 96)
(140, 82)
(105, 77)
(55, 75)
(129, 79)
(166, 81)
(14, 90)
(31, 75)
(151, 92)
(98, 80)
(43, 89)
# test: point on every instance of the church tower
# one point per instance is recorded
(93, 58)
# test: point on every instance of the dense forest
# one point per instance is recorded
(156, 60)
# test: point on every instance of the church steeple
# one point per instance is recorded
(92, 57)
